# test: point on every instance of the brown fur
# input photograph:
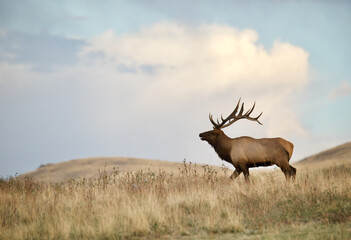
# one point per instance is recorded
(247, 152)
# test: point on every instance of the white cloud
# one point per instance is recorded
(175, 64)
(343, 90)
(209, 57)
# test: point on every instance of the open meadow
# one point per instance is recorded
(193, 203)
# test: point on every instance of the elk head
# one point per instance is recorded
(212, 136)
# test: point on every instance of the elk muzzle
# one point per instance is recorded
(202, 137)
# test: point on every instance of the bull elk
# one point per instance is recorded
(246, 152)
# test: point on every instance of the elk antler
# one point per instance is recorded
(233, 118)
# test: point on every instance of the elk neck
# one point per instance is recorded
(222, 146)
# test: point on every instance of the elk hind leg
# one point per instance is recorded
(286, 170)
(292, 172)
(289, 172)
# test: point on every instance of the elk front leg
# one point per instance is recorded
(235, 174)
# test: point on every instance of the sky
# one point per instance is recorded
(139, 78)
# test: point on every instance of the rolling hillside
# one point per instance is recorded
(340, 154)
(90, 167)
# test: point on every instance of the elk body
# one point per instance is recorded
(246, 152)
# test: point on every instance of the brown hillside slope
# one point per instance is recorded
(90, 167)
(340, 154)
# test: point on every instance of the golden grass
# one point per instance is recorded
(194, 203)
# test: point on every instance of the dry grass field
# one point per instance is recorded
(195, 203)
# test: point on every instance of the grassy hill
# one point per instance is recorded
(90, 167)
(340, 154)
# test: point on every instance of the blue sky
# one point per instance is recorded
(138, 78)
